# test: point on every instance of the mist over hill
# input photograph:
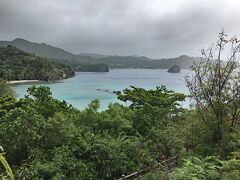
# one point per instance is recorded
(40, 49)
(57, 54)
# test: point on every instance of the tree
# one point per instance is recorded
(5, 89)
(41, 99)
(154, 108)
(215, 87)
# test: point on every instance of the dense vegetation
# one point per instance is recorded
(83, 67)
(92, 68)
(5, 90)
(47, 51)
(18, 65)
(45, 138)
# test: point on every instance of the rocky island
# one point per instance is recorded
(174, 69)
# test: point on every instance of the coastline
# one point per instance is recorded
(22, 81)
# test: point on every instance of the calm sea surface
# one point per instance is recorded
(84, 87)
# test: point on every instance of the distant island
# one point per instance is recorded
(174, 69)
(18, 65)
(89, 61)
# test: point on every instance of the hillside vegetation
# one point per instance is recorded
(45, 138)
(57, 54)
(18, 65)
(92, 68)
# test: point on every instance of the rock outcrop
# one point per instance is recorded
(174, 69)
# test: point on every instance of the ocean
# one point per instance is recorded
(87, 86)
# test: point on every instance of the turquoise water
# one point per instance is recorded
(85, 87)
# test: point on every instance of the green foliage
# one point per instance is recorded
(153, 108)
(46, 138)
(210, 131)
(41, 99)
(159, 97)
(90, 67)
(5, 89)
(231, 168)
(20, 132)
(18, 65)
(209, 168)
(215, 88)
(198, 168)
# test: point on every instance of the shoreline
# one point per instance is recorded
(22, 81)
(16, 82)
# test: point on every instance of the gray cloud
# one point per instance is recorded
(154, 28)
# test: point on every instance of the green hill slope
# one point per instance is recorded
(86, 59)
(18, 65)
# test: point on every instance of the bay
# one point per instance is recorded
(85, 87)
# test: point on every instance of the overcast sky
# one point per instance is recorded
(154, 28)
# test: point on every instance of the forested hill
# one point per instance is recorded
(18, 65)
(146, 63)
(40, 49)
(51, 52)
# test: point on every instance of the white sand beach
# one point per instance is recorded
(22, 81)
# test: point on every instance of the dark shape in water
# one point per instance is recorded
(174, 69)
